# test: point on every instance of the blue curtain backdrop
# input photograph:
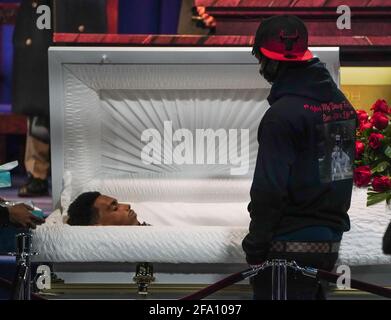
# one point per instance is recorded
(135, 17)
(5, 63)
(149, 16)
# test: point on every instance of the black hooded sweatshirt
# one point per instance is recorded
(303, 175)
(4, 217)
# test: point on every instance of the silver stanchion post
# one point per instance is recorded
(279, 279)
(22, 283)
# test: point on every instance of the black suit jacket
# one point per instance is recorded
(30, 65)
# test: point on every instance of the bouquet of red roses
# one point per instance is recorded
(373, 153)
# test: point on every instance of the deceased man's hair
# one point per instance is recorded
(82, 212)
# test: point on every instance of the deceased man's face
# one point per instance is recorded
(112, 213)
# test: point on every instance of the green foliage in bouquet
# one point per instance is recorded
(373, 153)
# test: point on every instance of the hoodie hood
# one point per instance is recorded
(310, 79)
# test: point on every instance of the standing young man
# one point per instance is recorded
(298, 204)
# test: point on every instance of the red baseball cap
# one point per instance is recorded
(283, 38)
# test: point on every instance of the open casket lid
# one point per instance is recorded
(102, 99)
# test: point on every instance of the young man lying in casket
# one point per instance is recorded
(95, 209)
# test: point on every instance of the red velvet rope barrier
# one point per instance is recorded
(320, 274)
(236, 277)
(230, 280)
(355, 284)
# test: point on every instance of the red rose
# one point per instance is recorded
(362, 176)
(365, 125)
(379, 120)
(375, 140)
(381, 184)
(360, 146)
(362, 115)
(380, 106)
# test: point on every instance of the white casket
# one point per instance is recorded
(110, 104)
